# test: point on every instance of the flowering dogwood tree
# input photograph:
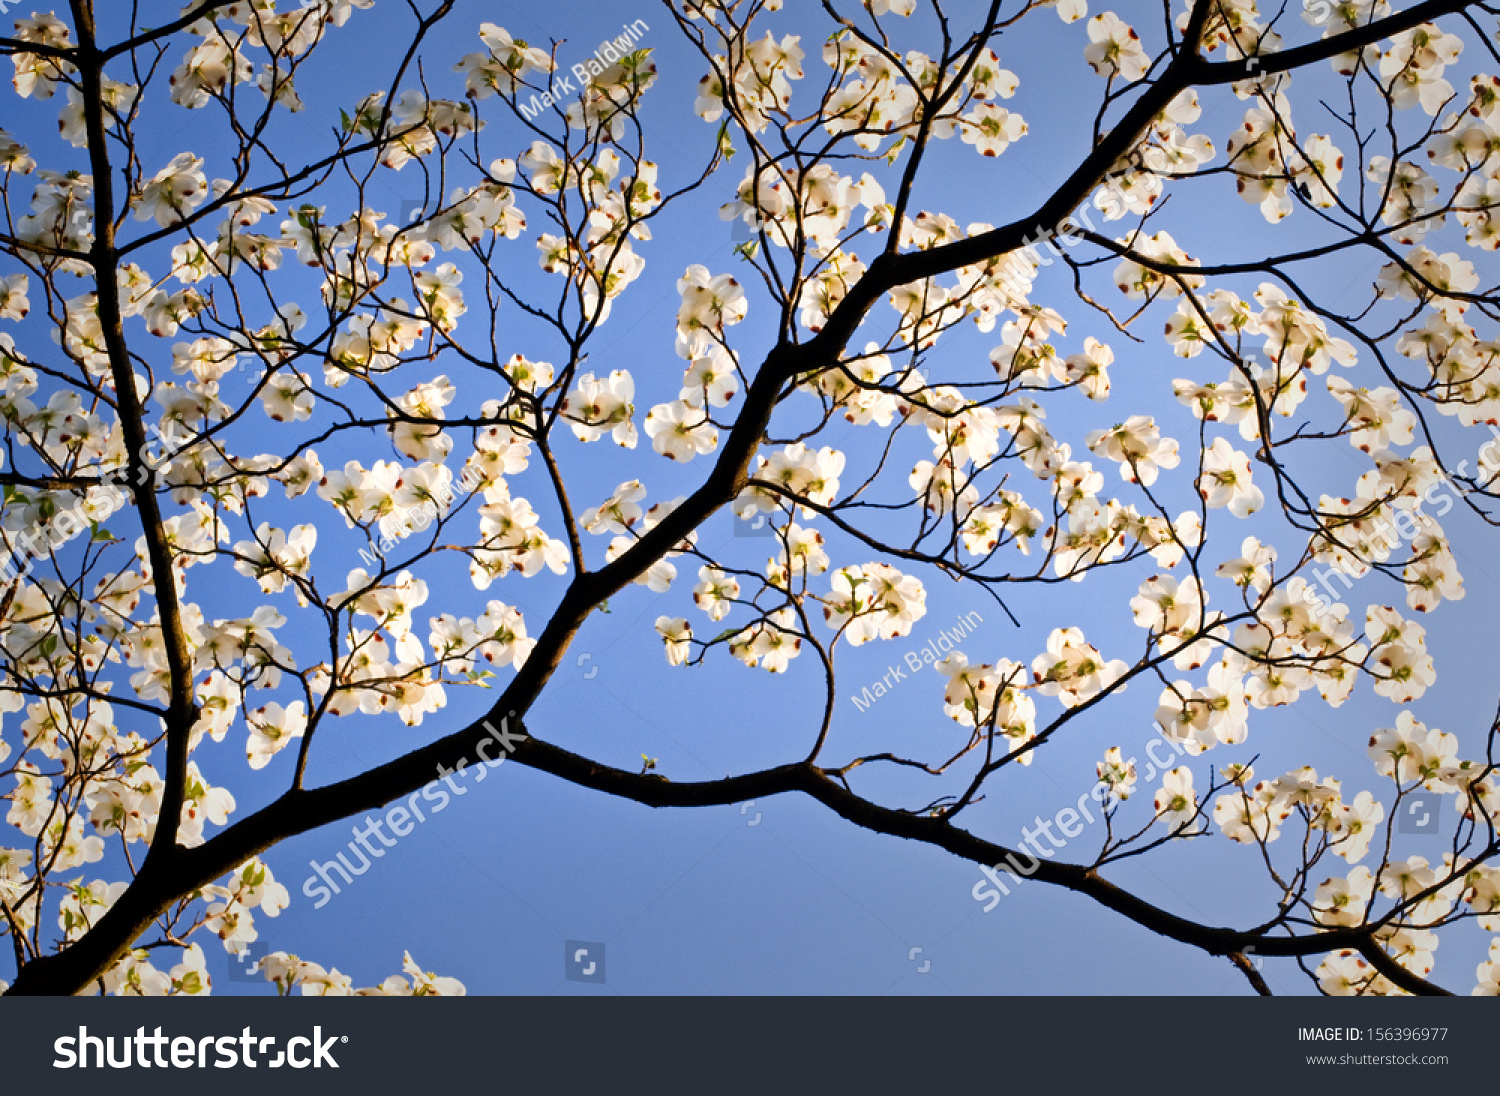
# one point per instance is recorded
(185, 335)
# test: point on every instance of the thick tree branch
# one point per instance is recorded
(1247, 968)
(1186, 70)
(301, 811)
(1413, 983)
(182, 712)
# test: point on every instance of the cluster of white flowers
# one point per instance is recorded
(770, 643)
(873, 600)
(1409, 940)
(1413, 757)
(684, 429)
(1410, 753)
(289, 972)
(617, 195)
(506, 66)
(1255, 814)
(1072, 669)
(990, 695)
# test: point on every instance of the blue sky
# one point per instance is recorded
(783, 896)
